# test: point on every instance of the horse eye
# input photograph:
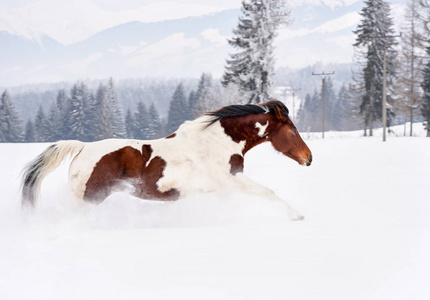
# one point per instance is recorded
(294, 131)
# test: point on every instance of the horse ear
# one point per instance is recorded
(279, 114)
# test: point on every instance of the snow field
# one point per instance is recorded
(366, 233)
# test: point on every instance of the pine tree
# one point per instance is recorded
(373, 34)
(310, 112)
(425, 85)
(344, 109)
(154, 122)
(203, 89)
(42, 126)
(129, 124)
(332, 114)
(102, 114)
(252, 67)
(177, 110)
(60, 115)
(229, 95)
(55, 123)
(10, 122)
(30, 135)
(79, 106)
(207, 96)
(141, 122)
(192, 100)
(117, 115)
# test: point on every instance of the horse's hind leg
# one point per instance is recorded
(247, 185)
(84, 189)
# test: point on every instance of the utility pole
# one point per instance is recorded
(323, 74)
(384, 84)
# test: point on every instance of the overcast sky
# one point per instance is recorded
(130, 4)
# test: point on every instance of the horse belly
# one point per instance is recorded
(190, 176)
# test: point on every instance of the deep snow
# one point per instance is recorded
(366, 233)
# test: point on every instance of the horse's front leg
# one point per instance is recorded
(244, 184)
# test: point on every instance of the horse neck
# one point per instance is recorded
(253, 129)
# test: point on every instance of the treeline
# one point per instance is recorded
(90, 115)
(338, 109)
(397, 61)
(85, 115)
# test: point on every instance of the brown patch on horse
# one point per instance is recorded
(236, 163)
(170, 136)
(130, 165)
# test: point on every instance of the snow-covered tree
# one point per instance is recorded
(29, 135)
(374, 34)
(10, 122)
(129, 124)
(344, 109)
(103, 125)
(229, 95)
(60, 115)
(78, 125)
(332, 112)
(117, 115)
(251, 69)
(178, 110)
(42, 126)
(208, 95)
(154, 122)
(55, 123)
(201, 97)
(192, 100)
(141, 122)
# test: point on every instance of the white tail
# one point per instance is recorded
(42, 165)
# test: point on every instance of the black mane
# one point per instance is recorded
(247, 109)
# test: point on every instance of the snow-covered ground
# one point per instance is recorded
(366, 233)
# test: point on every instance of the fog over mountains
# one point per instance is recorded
(52, 41)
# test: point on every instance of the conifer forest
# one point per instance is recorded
(90, 110)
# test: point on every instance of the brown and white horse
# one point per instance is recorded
(206, 154)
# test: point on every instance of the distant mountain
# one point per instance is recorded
(176, 48)
(170, 49)
(72, 21)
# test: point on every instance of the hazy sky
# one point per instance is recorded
(130, 4)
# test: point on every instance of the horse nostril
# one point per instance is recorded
(310, 159)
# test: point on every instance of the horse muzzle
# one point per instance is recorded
(307, 161)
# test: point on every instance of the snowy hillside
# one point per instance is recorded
(51, 41)
(366, 233)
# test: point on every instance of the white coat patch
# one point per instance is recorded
(196, 159)
(261, 128)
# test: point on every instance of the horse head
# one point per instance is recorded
(284, 135)
(256, 124)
